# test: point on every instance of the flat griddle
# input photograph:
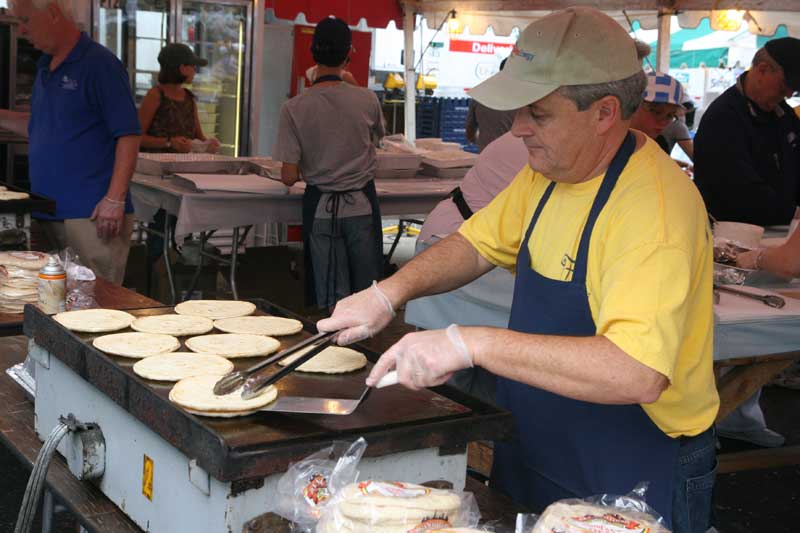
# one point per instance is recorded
(392, 420)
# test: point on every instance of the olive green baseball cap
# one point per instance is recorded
(576, 46)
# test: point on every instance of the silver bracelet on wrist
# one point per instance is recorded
(115, 202)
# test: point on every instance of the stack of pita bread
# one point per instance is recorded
(18, 279)
(570, 516)
(391, 507)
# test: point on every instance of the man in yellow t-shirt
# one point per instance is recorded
(607, 361)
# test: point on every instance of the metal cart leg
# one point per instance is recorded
(167, 265)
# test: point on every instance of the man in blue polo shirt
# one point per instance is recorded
(84, 137)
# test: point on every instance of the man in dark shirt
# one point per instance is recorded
(747, 151)
(747, 166)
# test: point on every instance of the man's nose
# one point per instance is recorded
(521, 127)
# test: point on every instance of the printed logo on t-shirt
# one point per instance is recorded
(68, 83)
(567, 267)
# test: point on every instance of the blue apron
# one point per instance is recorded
(567, 448)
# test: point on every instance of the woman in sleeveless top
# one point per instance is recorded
(168, 113)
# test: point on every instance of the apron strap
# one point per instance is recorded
(609, 181)
(458, 199)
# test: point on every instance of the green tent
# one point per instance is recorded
(692, 58)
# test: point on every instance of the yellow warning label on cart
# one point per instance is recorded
(147, 478)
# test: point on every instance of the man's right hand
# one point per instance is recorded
(359, 316)
(182, 145)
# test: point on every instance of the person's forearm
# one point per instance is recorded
(290, 173)
(15, 121)
(591, 369)
(445, 266)
(149, 141)
(785, 259)
(124, 164)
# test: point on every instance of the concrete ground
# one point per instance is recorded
(758, 501)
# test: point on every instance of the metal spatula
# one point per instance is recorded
(316, 406)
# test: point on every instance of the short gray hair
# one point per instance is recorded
(67, 7)
(628, 91)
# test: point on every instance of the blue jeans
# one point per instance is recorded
(694, 483)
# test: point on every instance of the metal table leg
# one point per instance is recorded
(167, 265)
(204, 236)
(234, 254)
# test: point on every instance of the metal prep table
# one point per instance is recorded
(220, 473)
(204, 212)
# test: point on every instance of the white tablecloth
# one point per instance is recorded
(205, 211)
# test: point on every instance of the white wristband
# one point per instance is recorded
(455, 337)
(383, 298)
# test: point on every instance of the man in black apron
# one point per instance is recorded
(326, 137)
(607, 360)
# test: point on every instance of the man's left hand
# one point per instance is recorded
(424, 359)
(108, 216)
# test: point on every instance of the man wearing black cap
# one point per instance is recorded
(747, 167)
(326, 137)
(747, 156)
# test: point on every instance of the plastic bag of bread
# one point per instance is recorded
(374, 506)
(605, 513)
(308, 485)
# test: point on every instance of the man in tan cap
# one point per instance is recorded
(607, 360)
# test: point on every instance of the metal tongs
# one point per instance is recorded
(769, 299)
(253, 383)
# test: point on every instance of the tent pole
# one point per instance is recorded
(410, 75)
(662, 48)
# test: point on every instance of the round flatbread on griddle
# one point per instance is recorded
(94, 320)
(177, 325)
(215, 309)
(232, 345)
(176, 366)
(274, 326)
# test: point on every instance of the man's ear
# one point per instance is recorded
(607, 110)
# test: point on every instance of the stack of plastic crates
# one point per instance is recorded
(427, 117)
(453, 120)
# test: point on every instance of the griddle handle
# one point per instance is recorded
(255, 384)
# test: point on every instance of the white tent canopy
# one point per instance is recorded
(761, 17)
(503, 22)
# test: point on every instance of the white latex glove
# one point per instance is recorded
(424, 359)
(359, 316)
(108, 216)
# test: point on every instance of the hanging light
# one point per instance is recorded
(727, 19)
(454, 25)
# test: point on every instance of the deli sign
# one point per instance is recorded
(479, 47)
